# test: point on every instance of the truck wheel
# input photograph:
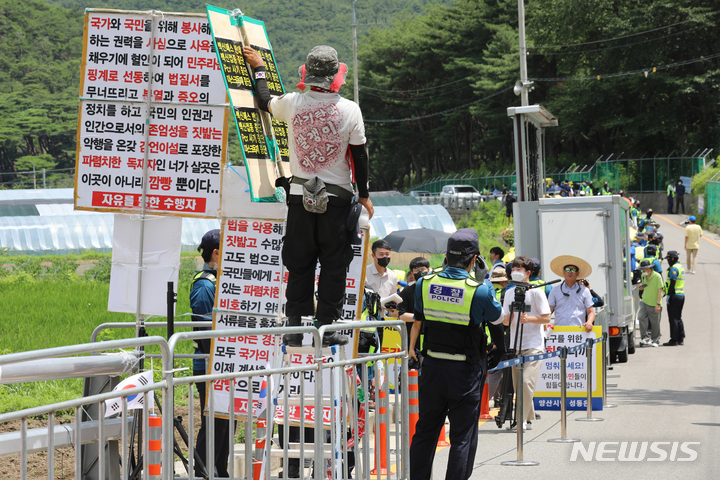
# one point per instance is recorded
(623, 355)
(631, 343)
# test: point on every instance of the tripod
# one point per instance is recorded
(177, 423)
(507, 412)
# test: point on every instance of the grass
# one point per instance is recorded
(490, 222)
(48, 305)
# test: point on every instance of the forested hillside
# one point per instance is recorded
(40, 49)
(637, 76)
(598, 66)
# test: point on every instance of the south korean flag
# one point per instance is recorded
(114, 405)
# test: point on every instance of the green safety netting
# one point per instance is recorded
(712, 202)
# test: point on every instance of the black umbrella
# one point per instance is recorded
(418, 240)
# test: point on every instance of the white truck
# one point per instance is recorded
(595, 229)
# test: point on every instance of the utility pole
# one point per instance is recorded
(34, 176)
(356, 93)
(523, 54)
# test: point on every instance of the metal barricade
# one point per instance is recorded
(349, 411)
(96, 431)
(345, 405)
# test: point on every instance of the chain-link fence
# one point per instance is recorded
(495, 181)
(39, 179)
(629, 174)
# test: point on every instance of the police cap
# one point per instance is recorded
(463, 242)
(210, 241)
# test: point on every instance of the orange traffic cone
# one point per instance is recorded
(381, 443)
(259, 448)
(441, 440)
(485, 404)
(413, 401)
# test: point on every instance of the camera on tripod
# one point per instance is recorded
(518, 304)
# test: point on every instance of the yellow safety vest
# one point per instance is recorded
(448, 300)
(679, 282)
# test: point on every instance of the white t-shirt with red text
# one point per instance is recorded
(320, 128)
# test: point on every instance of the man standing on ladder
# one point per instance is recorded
(327, 144)
(452, 307)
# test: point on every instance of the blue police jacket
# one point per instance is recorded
(202, 301)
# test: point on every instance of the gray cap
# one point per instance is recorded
(321, 67)
(645, 264)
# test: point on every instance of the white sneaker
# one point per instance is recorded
(654, 344)
(527, 425)
(645, 341)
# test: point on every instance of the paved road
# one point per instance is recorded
(665, 394)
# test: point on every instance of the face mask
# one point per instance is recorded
(419, 275)
(517, 276)
(671, 261)
(383, 262)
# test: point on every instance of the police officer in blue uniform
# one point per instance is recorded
(675, 291)
(450, 307)
(202, 301)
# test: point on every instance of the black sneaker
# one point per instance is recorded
(670, 344)
(334, 338)
(293, 472)
(293, 339)
(537, 416)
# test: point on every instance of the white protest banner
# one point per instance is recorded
(116, 58)
(114, 405)
(248, 296)
(185, 157)
(242, 354)
(182, 133)
(308, 379)
(547, 390)
(250, 266)
(160, 263)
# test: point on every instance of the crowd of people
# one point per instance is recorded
(461, 319)
(453, 335)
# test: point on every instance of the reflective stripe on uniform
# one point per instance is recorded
(447, 356)
(204, 275)
(445, 315)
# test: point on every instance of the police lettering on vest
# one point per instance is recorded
(450, 334)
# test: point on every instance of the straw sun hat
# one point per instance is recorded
(559, 263)
(498, 275)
